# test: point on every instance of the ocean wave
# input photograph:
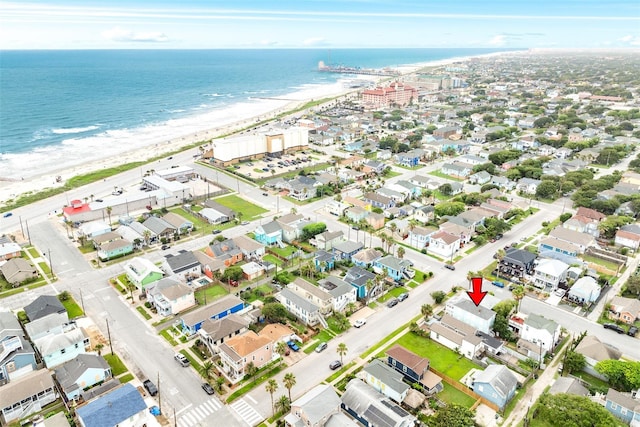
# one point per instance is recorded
(214, 95)
(64, 131)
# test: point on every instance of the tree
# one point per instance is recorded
(252, 370)
(341, 350)
(219, 384)
(283, 404)
(206, 370)
(98, 348)
(518, 295)
(310, 230)
(438, 296)
(501, 327)
(449, 208)
(547, 189)
(573, 362)
(573, 410)
(275, 312)
(109, 209)
(401, 252)
(453, 415)
(623, 376)
(633, 284)
(281, 348)
(426, 310)
(271, 388)
(289, 381)
(232, 273)
(64, 296)
(446, 189)
(341, 321)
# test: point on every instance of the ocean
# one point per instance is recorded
(60, 108)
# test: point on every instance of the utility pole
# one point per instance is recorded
(50, 264)
(109, 336)
(26, 223)
(21, 229)
(159, 394)
(81, 300)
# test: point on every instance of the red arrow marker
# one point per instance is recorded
(477, 295)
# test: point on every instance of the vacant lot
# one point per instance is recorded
(238, 204)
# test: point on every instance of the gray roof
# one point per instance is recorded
(43, 306)
(220, 328)
(571, 236)
(500, 377)
(226, 247)
(374, 407)
(170, 288)
(51, 343)
(623, 399)
(70, 372)
(538, 322)
(9, 325)
(358, 275)
(480, 311)
(367, 255)
(395, 263)
(519, 256)
(184, 260)
(271, 227)
(298, 300)
(593, 348)
(158, 225)
(37, 328)
(566, 385)
(348, 246)
(220, 208)
(335, 286)
(207, 312)
(25, 386)
(100, 412)
(317, 403)
(387, 375)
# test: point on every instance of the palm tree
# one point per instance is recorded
(239, 215)
(294, 211)
(426, 310)
(147, 236)
(289, 381)
(271, 388)
(283, 404)
(394, 228)
(206, 370)
(281, 348)
(351, 307)
(400, 252)
(218, 386)
(98, 347)
(518, 295)
(109, 209)
(342, 350)
(369, 285)
(252, 370)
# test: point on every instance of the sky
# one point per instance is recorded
(210, 24)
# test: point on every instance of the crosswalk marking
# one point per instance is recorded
(246, 411)
(200, 412)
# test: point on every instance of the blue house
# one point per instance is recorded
(324, 261)
(346, 249)
(497, 384)
(366, 257)
(379, 201)
(269, 234)
(15, 351)
(551, 244)
(192, 321)
(409, 159)
(623, 406)
(81, 373)
(113, 408)
(358, 278)
(394, 267)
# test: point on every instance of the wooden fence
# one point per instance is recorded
(463, 388)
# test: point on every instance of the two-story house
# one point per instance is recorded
(358, 277)
(368, 406)
(346, 249)
(326, 240)
(227, 251)
(394, 267)
(26, 395)
(444, 244)
(193, 320)
(623, 406)
(479, 317)
(251, 250)
(419, 237)
(269, 234)
(516, 263)
(319, 407)
(131, 410)
(457, 336)
(414, 368)
(59, 348)
(238, 351)
(366, 257)
(342, 293)
(528, 185)
(306, 301)
(17, 357)
(170, 296)
(385, 380)
(183, 265)
(540, 331)
(625, 310)
(142, 272)
(215, 332)
(549, 273)
(379, 201)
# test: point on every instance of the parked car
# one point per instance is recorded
(403, 296)
(359, 323)
(293, 346)
(320, 347)
(182, 360)
(392, 302)
(150, 387)
(8, 214)
(244, 223)
(207, 388)
(265, 194)
(560, 292)
(335, 365)
(632, 331)
(165, 247)
(498, 283)
(216, 231)
(99, 200)
(450, 267)
(613, 327)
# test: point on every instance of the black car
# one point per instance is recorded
(632, 331)
(99, 200)
(613, 327)
(165, 247)
(265, 194)
(216, 231)
(335, 365)
(207, 388)
(150, 387)
(450, 267)
(392, 302)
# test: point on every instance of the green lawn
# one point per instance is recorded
(238, 204)
(194, 362)
(210, 293)
(45, 267)
(394, 292)
(442, 359)
(125, 378)
(445, 176)
(144, 313)
(288, 250)
(33, 252)
(72, 307)
(168, 336)
(273, 260)
(608, 264)
(197, 221)
(452, 395)
(117, 367)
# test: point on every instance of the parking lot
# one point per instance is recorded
(270, 166)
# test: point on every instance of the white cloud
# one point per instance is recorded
(118, 34)
(499, 40)
(267, 43)
(630, 40)
(315, 41)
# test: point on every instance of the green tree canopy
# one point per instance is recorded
(622, 375)
(573, 362)
(453, 415)
(275, 312)
(449, 208)
(232, 273)
(500, 157)
(310, 230)
(574, 411)
(547, 189)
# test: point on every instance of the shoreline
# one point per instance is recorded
(13, 188)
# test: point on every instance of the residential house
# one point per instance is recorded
(17, 356)
(319, 407)
(595, 351)
(516, 263)
(292, 225)
(182, 225)
(566, 385)
(52, 324)
(342, 293)
(305, 310)
(9, 249)
(115, 249)
(160, 228)
(313, 293)
(337, 208)
(457, 336)
(419, 236)
(170, 296)
(541, 331)
(457, 169)
(396, 268)
(142, 272)
(585, 223)
(410, 158)
(581, 240)
(269, 234)
(458, 228)
(358, 278)
(209, 266)
(326, 240)
(214, 216)
(549, 273)
(375, 220)
(625, 310)
(550, 246)
(324, 261)
(93, 229)
(414, 368)
(131, 409)
(251, 250)
(220, 212)
(623, 406)
(18, 270)
(366, 257)
(238, 351)
(226, 251)
(444, 244)
(26, 395)
(183, 265)
(215, 331)
(252, 270)
(82, 373)
(528, 185)
(424, 214)
(585, 290)
(385, 380)
(356, 214)
(59, 348)
(369, 407)
(503, 182)
(497, 384)
(379, 201)
(228, 304)
(464, 310)
(105, 238)
(628, 236)
(345, 250)
(43, 306)
(480, 178)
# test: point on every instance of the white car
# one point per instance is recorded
(360, 322)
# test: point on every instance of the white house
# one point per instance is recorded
(629, 236)
(444, 244)
(463, 309)
(457, 336)
(342, 293)
(170, 296)
(541, 331)
(585, 290)
(386, 380)
(549, 273)
(419, 236)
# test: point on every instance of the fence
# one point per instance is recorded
(463, 388)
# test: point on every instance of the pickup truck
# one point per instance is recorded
(293, 346)
(150, 387)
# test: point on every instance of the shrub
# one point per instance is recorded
(438, 296)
